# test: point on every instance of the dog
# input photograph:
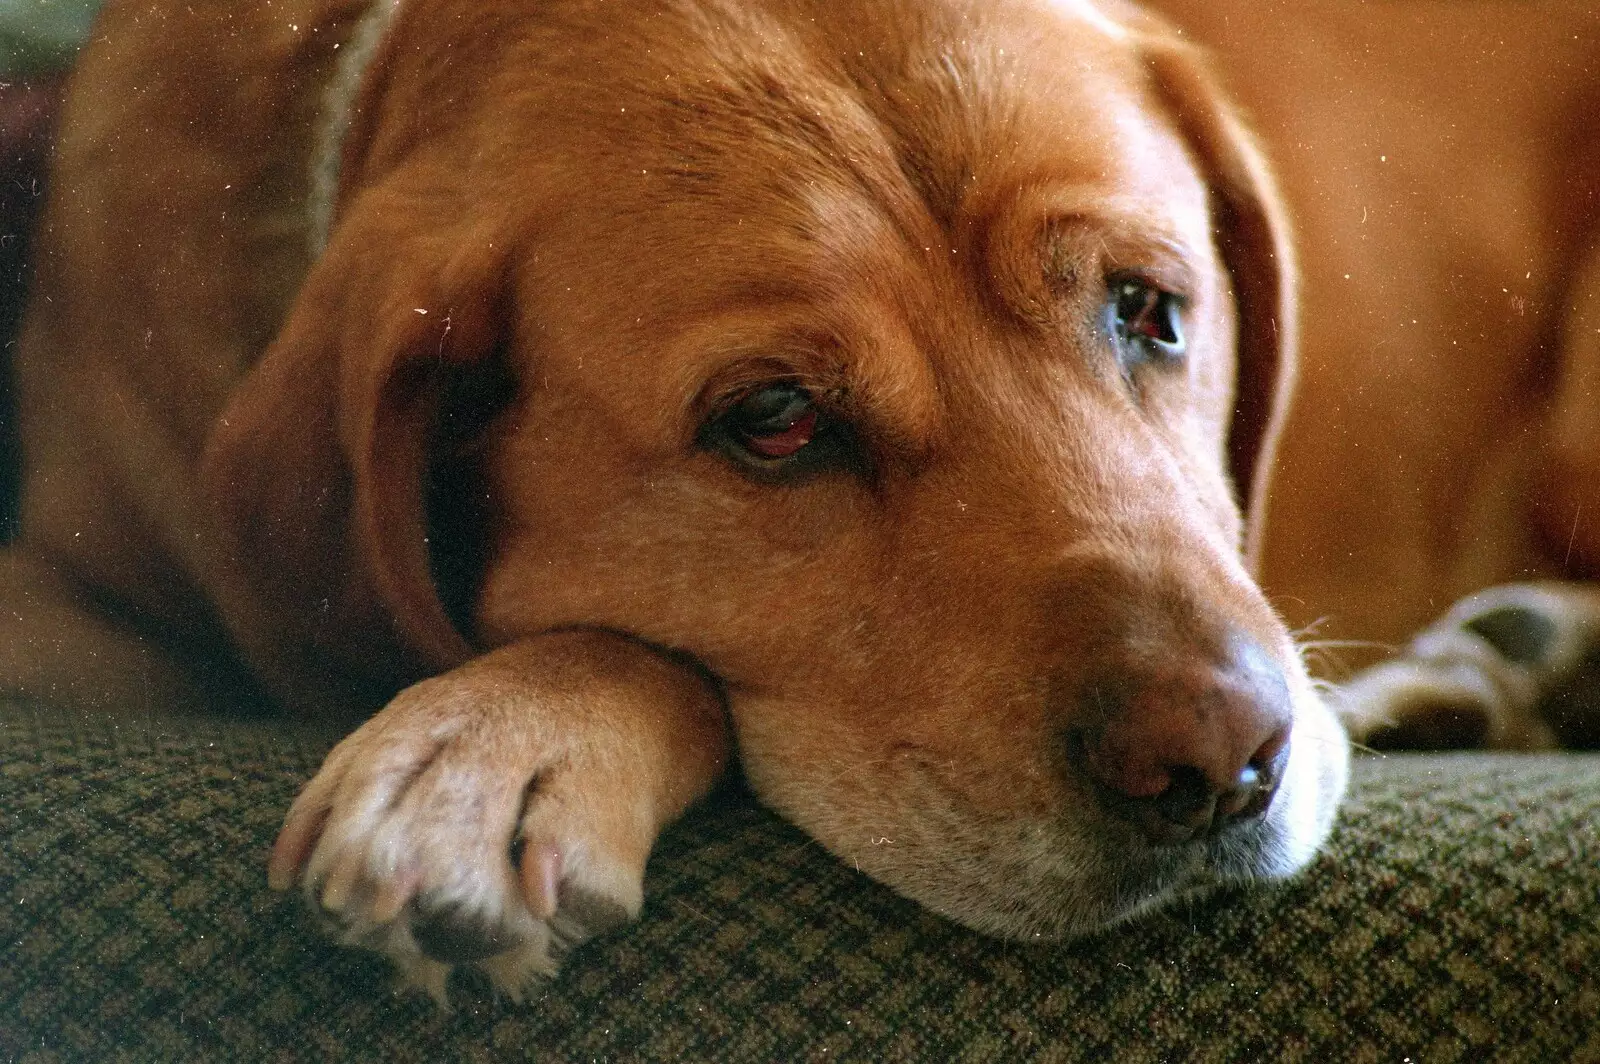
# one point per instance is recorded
(886, 395)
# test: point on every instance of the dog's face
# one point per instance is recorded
(881, 357)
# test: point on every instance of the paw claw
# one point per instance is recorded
(393, 896)
(281, 874)
(341, 884)
(540, 878)
(292, 847)
(514, 972)
(430, 976)
(585, 914)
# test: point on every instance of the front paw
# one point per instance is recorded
(482, 819)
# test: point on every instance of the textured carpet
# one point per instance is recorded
(1456, 917)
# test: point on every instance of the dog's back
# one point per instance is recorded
(1444, 184)
(175, 237)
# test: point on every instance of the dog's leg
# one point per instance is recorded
(58, 647)
(504, 810)
(1514, 667)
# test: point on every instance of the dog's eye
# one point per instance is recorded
(1145, 322)
(773, 422)
(779, 432)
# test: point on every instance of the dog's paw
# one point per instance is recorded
(1506, 668)
(468, 825)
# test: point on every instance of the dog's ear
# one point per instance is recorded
(319, 469)
(1252, 235)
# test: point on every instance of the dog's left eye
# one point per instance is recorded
(1145, 322)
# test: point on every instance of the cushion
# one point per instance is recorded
(1453, 917)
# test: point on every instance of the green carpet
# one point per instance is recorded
(1455, 917)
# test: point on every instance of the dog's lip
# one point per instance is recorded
(1142, 878)
(1118, 834)
(1138, 874)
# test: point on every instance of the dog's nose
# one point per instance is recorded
(1184, 749)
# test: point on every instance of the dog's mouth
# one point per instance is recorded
(1075, 889)
(1023, 853)
(1071, 871)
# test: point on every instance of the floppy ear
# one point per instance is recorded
(1252, 234)
(318, 469)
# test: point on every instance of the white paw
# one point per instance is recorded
(456, 829)
(1481, 674)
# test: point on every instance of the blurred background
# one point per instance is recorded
(38, 39)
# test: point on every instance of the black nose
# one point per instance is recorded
(1188, 746)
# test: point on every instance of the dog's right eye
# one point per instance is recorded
(774, 422)
(778, 430)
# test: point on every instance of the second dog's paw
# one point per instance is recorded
(1496, 671)
(457, 828)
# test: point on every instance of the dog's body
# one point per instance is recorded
(1445, 192)
(1445, 433)
(853, 387)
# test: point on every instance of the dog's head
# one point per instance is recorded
(906, 364)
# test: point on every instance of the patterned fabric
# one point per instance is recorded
(1455, 917)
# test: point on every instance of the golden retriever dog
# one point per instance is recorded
(886, 395)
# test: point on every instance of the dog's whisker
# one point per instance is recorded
(1299, 634)
(1345, 644)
